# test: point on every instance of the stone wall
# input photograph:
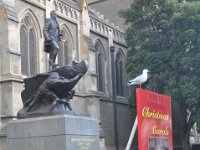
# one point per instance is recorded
(124, 124)
(3, 140)
(107, 120)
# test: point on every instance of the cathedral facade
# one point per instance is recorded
(86, 35)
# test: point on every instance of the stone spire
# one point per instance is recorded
(83, 4)
(85, 20)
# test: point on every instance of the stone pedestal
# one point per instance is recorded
(64, 132)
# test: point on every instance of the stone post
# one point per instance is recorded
(65, 132)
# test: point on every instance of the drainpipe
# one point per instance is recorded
(114, 95)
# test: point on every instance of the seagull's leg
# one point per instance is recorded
(140, 85)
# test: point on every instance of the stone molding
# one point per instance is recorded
(103, 97)
(9, 77)
(39, 3)
(67, 10)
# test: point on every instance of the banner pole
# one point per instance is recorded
(128, 146)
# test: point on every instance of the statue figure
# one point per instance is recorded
(52, 37)
(50, 93)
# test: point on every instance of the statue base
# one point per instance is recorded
(65, 132)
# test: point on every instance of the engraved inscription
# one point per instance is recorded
(83, 142)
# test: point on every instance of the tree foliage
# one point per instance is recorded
(164, 37)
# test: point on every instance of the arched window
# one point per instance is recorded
(28, 47)
(67, 44)
(119, 64)
(100, 59)
(63, 58)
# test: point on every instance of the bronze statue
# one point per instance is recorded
(52, 37)
(50, 93)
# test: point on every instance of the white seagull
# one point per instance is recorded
(139, 79)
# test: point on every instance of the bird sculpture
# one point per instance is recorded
(139, 80)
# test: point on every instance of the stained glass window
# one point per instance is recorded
(100, 66)
(63, 58)
(119, 74)
(24, 53)
(28, 47)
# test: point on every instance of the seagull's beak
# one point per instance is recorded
(149, 73)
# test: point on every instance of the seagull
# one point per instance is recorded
(139, 79)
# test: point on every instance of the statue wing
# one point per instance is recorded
(70, 71)
(32, 84)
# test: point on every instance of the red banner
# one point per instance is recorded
(154, 121)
